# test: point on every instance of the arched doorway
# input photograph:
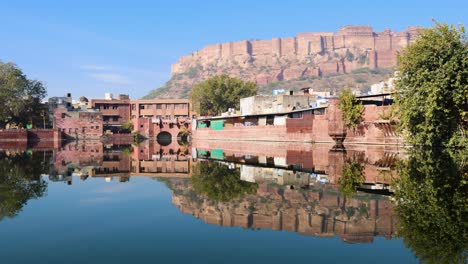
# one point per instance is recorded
(164, 138)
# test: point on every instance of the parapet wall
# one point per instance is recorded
(319, 128)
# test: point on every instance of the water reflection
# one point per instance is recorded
(432, 204)
(20, 180)
(354, 192)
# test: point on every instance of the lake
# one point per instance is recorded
(232, 202)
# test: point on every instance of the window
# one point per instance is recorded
(115, 118)
(158, 106)
(142, 106)
(115, 107)
(92, 127)
(168, 106)
(133, 106)
(106, 106)
(63, 115)
(97, 127)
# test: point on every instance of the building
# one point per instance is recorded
(109, 116)
(115, 112)
(78, 123)
(266, 104)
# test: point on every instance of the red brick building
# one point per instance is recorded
(79, 124)
(110, 116)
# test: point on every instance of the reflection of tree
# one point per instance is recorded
(432, 205)
(20, 181)
(351, 178)
(218, 182)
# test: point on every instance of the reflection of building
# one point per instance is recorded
(303, 165)
(93, 158)
(317, 212)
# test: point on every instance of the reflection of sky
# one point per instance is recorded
(134, 222)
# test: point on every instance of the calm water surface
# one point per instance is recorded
(95, 203)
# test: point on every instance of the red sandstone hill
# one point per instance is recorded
(355, 56)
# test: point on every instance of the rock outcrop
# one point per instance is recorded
(305, 56)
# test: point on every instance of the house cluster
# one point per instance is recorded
(110, 116)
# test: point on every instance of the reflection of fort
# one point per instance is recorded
(317, 212)
(303, 165)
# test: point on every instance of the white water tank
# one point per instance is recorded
(108, 96)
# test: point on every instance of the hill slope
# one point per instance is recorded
(355, 56)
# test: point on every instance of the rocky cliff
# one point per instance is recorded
(308, 58)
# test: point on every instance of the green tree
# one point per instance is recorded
(20, 97)
(432, 87)
(215, 95)
(432, 204)
(218, 182)
(20, 181)
(352, 108)
(351, 178)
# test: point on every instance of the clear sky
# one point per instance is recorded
(90, 47)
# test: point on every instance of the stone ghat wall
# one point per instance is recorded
(13, 135)
(32, 138)
(313, 128)
(291, 210)
(382, 47)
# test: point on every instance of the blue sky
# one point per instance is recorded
(93, 47)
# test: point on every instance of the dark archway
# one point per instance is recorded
(182, 138)
(164, 138)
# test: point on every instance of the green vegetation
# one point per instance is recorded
(432, 88)
(216, 94)
(432, 206)
(352, 109)
(218, 182)
(128, 126)
(362, 58)
(349, 55)
(352, 177)
(20, 97)
(137, 138)
(20, 181)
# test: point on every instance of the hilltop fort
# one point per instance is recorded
(306, 57)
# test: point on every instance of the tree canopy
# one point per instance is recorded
(352, 109)
(216, 94)
(351, 178)
(432, 87)
(218, 182)
(20, 181)
(432, 206)
(20, 97)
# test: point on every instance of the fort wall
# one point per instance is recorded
(384, 44)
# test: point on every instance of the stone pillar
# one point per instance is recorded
(336, 126)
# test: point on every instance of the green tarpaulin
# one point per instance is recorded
(217, 124)
(217, 154)
(201, 125)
